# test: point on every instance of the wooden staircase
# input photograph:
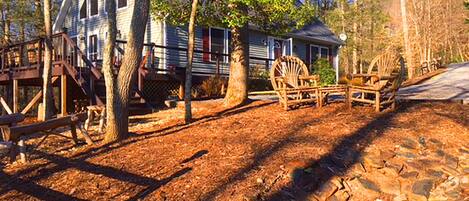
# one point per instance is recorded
(24, 61)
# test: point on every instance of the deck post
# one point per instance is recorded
(140, 84)
(3, 59)
(63, 95)
(217, 72)
(181, 90)
(64, 49)
(9, 95)
(20, 55)
(16, 96)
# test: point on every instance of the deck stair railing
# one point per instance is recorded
(29, 57)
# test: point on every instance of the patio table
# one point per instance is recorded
(325, 91)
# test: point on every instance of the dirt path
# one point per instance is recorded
(451, 85)
(261, 152)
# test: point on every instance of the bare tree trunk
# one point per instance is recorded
(2, 22)
(342, 18)
(190, 57)
(237, 92)
(108, 57)
(355, 40)
(37, 13)
(117, 128)
(47, 101)
(6, 23)
(408, 51)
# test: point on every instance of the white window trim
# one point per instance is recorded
(290, 43)
(89, 9)
(284, 53)
(117, 7)
(123, 8)
(98, 55)
(225, 42)
(79, 10)
(320, 54)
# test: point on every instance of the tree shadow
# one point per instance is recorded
(9, 182)
(342, 157)
(28, 186)
(263, 154)
(94, 151)
(60, 163)
(337, 162)
(195, 156)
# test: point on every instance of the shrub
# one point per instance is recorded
(259, 84)
(323, 68)
(259, 71)
(212, 86)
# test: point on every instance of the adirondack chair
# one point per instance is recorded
(381, 83)
(292, 83)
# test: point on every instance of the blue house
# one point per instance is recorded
(84, 21)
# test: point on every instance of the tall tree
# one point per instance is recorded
(271, 16)
(237, 91)
(190, 58)
(366, 24)
(466, 5)
(108, 56)
(47, 100)
(117, 128)
(6, 21)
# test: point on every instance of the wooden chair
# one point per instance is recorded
(381, 83)
(292, 83)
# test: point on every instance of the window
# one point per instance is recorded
(214, 42)
(93, 47)
(93, 7)
(83, 10)
(318, 52)
(217, 43)
(121, 3)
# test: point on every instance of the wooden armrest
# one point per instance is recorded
(387, 77)
(309, 77)
(363, 75)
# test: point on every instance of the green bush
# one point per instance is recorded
(323, 68)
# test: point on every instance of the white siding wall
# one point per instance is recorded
(96, 25)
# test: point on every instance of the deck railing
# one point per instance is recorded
(167, 59)
(29, 56)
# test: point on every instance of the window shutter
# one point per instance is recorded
(206, 44)
(330, 55)
(308, 56)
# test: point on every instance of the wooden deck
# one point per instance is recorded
(80, 78)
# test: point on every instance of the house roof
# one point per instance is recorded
(318, 32)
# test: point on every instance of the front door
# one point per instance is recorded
(278, 47)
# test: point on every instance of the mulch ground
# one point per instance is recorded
(227, 154)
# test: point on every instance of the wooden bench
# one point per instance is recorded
(5, 122)
(96, 111)
(19, 134)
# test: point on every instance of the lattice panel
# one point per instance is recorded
(159, 91)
